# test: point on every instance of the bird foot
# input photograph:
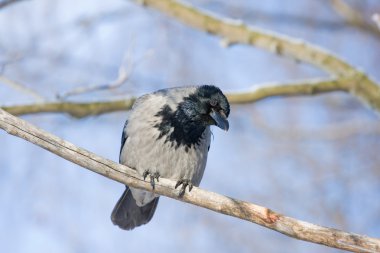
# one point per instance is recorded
(185, 183)
(153, 177)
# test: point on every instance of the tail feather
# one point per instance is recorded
(127, 215)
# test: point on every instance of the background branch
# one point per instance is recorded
(258, 92)
(232, 31)
(347, 78)
(213, 201)
(77, 110)
(22, 88)
(353, 17)
(124, 73)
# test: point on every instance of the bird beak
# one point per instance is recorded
(220, 119)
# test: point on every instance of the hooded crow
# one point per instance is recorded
(167, 135)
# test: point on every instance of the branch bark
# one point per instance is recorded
(77, 110)
(258, 92)
(210, 200)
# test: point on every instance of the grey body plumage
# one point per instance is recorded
(167, 135)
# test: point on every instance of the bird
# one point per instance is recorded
(167, 134)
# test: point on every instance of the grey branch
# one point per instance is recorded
(243, 210)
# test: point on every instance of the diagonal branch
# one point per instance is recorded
(258, 92)
(354, 17)
(213, 201)
(234, 31)
(20, 87)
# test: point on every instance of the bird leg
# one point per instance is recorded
(185, 183)
(152, 177)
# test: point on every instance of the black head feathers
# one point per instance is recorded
(206, 106)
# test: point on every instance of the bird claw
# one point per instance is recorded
(152, 177)
(185, 183)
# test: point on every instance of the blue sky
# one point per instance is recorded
(283, 153)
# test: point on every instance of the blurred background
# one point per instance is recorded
(312, 158)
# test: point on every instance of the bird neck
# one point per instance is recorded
(179, 128)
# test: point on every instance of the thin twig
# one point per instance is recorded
(22, 88)
(243, 210)
(353, 17)
(125, 70)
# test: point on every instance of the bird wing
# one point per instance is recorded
(124, 138)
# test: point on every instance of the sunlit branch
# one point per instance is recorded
(256, 93)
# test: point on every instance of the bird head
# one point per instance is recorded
(201, 107)
(208, 106)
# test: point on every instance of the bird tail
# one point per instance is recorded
(128, 215)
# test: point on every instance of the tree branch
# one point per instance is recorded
(126, 68)
(232, 31)
(77, 110)
(353, 17)
(20, 87)
(258, 92)
(235, 31)
(213, 201)
(297, 88)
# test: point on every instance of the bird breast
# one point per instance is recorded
(145, 150)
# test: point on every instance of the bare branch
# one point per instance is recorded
(20, 87)
(213, 201)
(362, 86)
(125, 70)
(297, 88)
(77, 110)
(353, 17)
(258, 92)
(235, 31)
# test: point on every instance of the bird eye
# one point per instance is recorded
(213, 102)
